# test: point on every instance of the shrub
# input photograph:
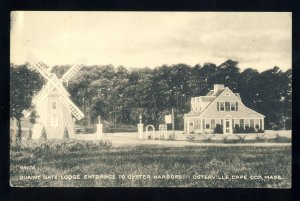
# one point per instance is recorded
(268, 138)
(249, 130)
(217, 138)
(232, 139)
(119, 128)
(66, 134)
(218, 129)
(53, 148)
(283, 139)
(90, 129)
(29, 134)
(190, 137)
(43, 135)
(260, 131)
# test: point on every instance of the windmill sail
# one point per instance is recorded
(54, 82)
(71, 72)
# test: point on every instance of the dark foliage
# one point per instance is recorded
(120, 96)
(43, 135)
(218, 129)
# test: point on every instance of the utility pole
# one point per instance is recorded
(173, 123)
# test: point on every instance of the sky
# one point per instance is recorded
(149, 39)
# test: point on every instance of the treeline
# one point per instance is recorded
(120, 95)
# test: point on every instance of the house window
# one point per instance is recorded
(213, 124)
(227, 106)
(218, 121)
(233, 106)
(256, 124)
(236, 122)
(54, 105)
(247, 123)
(207, 123)
(222, 106)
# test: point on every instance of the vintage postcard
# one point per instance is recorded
(151, 99)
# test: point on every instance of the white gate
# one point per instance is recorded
(150, 135)
(163, 131)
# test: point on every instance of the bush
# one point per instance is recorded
(119, 128)
(283, 139)
(249, 130)
(190, 137)
(218, 129)
(53, 148)
(29, 134)
(90, 129)
(66, 134)
(268, 138)
(43, 135)
(232, 139)
(238, 129)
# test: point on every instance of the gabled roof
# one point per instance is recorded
(211, 97)
(210, 93)
(207, 98)
(219, 92)
(238, 95)
(193, 114)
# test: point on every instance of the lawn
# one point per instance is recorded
(90, 164)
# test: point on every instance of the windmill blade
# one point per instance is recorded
(39, 66)
(73, 70)
(65, 99)
(72, 107)
(42, 69)
(39, 98)
(42, 94)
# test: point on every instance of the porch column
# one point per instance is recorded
(188, 126)
(202, 126)
(263, 124)
(224, 125)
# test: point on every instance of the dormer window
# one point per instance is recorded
(227, 106)
(233, 106)
(222, 106)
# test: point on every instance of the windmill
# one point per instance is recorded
(53, 105)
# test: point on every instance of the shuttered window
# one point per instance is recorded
(227, 106)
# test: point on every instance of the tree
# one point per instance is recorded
(24, 82)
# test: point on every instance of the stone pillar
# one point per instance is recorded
(140, 131)
(99, 131)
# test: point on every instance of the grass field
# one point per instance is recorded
(65, 164)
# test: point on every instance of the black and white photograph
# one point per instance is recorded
(151, 99)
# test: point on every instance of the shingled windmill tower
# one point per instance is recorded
(53, 104)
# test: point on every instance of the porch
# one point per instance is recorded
(226, 125)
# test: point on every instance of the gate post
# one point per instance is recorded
(140, 129)
(99, 129)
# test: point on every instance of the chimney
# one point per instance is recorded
(218, 87)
